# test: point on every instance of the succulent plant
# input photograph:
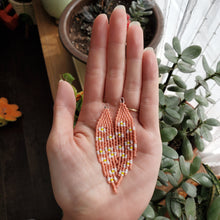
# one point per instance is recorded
(183, 191)
(140, 10)
(90, 12)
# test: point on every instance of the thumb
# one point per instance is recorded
(64, 110)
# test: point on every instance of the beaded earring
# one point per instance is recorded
(116, 144)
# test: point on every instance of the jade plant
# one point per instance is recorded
(186, 188)
(184, 191)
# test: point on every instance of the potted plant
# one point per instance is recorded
(186, 188)
(76, 22)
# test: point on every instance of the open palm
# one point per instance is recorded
(117, 67)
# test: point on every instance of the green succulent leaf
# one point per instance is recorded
(163, 178)
(172, 101)
(175, 89)
(218, 67)
(212, 101)
(168, 134)
(201, 113)
(192, 52)
(175, 170)
(190, 124)
(206, 67)
(217, 80)
(187, 150)
(176, 45)
(149, 212)
(189, 94)
(170, 53)
(195, 165)
(199, 142)
(158, 195)
(166, 163)
(176, 208)
(179, 82)
(190, 208)
(188, 60)
(213, 212)
(172, 113)
(203, 179)
(172, 180)
(170, 152)
(158, 61)
(168, 205)
(201, 100)
(212, 122)
(161, 97)
(184, 166)
(202, 82)
(206, 133)
(190, 189)
(185, 67)
(170, 57)
(163, 68)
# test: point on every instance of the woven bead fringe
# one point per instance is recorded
(116, 144)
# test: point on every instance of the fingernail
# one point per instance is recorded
(134, 23)
(120, 7)
(149, 48)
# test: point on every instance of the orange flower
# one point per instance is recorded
(79, 95)
(8, 112)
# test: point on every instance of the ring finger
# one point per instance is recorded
(133, 77)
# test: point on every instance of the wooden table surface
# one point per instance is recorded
(56, 58)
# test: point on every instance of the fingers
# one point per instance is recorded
(148, 111)
(133, 78)
(64, 110)
(116, 56)
(96, 65)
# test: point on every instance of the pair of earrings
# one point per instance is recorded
(116, 144)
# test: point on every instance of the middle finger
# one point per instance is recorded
(116, 56)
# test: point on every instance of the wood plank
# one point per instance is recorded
(25, 187)
(57, 59)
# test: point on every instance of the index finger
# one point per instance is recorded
(96, 64)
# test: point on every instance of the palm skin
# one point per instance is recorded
(79, 186)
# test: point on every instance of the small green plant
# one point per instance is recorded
(140, 11)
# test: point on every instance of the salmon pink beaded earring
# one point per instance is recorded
(116, 144)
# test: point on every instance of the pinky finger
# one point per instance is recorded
(148, 115)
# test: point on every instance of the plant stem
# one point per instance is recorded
(197, 86)
(169, 76)
(191, 132)
(174, 188)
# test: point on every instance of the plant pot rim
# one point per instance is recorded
(65, 20)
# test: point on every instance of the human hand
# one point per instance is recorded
(78, 183)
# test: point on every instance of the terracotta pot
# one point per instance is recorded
(75, 6)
